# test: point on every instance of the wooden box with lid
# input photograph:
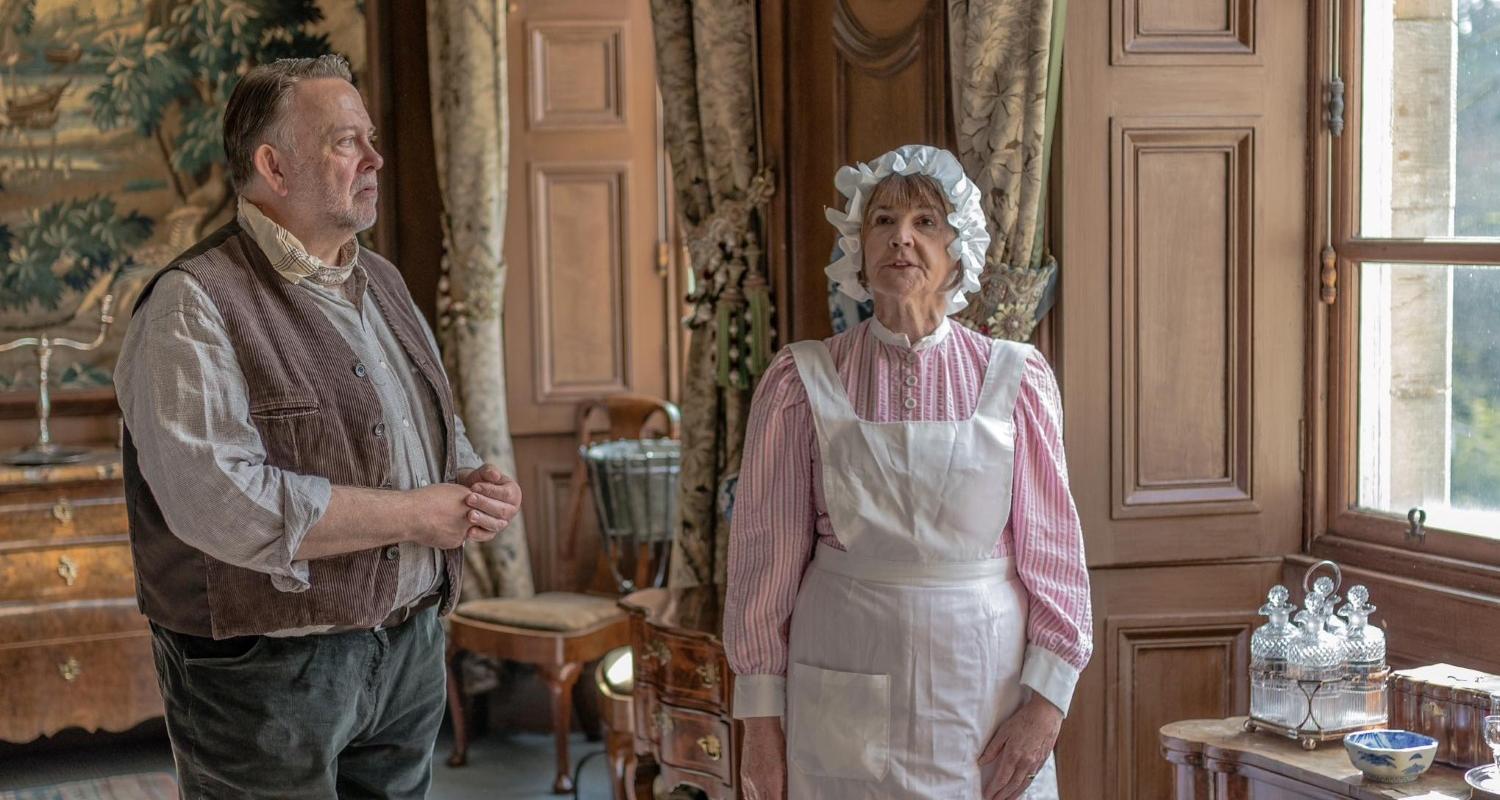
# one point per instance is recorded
(1449, 704)
(74, 651)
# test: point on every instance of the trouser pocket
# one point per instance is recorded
(840, 723)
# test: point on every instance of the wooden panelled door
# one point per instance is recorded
(587, 309)
(1183, 135)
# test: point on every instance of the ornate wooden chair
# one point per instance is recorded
(558, 632)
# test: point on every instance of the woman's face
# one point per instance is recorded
(906, 254)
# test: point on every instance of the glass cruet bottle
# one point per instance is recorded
(1315, 662)
(1364, 654)
(1271, 690)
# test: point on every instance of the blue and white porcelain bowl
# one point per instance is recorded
(1390, 756)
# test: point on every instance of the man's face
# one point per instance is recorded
(331, 172)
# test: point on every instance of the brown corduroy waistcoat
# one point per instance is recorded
(317, 414)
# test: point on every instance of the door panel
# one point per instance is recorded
(1182, 137)
(1169, 643)
(587, 305)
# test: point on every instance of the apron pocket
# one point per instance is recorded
(840, 723)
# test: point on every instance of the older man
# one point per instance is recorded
(299, 486)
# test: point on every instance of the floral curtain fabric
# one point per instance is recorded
(1005, 57)
(470, 121)
(706, 68)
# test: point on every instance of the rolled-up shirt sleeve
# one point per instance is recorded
(1048, 540)
(771, 538)
(467, 458)
(183, 398)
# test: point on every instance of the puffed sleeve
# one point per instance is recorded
(1048, 542)
(771, 539)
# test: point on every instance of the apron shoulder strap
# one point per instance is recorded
(825, 392)
(1003, 378)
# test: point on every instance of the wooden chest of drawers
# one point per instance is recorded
(74, 652)
(683, 731)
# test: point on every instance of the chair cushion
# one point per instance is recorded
(549, 611)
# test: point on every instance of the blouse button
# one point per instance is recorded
(911, 380)
(911, 402)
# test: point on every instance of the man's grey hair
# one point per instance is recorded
(258, 104)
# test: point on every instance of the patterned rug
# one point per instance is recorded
(145, 786)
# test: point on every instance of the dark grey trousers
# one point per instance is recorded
(346, 715)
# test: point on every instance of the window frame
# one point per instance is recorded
(1335, 527)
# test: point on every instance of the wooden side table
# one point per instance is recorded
(684, 733)
(1216, 759)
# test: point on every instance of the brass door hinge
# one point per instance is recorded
(1333, 108)
(663, 258)
(1328, 276)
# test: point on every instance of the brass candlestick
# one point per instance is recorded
(44, 450)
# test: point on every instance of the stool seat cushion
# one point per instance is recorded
(549, 611)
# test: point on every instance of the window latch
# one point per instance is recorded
(1417, 518)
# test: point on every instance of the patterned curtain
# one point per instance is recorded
(470, 125)
(1006, 58)
(706, 67)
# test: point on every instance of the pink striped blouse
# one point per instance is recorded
(780, 514)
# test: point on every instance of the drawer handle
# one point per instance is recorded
(663, 722)
(70, 669)
(62, 511)
(711, 747)
(708, 675)
(68, 569)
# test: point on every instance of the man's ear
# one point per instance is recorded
(271, 165)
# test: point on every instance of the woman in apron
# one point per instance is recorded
(907, 588)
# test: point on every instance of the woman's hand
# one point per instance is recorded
(1022, 744)
(763, 759)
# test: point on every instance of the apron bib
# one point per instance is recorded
(906, 649)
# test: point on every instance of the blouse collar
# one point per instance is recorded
(902, 341)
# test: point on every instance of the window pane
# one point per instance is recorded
(1429, 393)
(1430, 95)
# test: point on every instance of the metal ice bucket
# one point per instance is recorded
(635, 494)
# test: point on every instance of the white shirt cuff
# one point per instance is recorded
(759, 696)
(1049, 676)
(306, 500)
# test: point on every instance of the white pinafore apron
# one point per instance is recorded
(906, 650)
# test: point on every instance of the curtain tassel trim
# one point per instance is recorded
(733, 294)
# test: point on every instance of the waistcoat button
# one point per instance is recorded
(392, 553)
(379, 429)
(911, 402)
(359, 370)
